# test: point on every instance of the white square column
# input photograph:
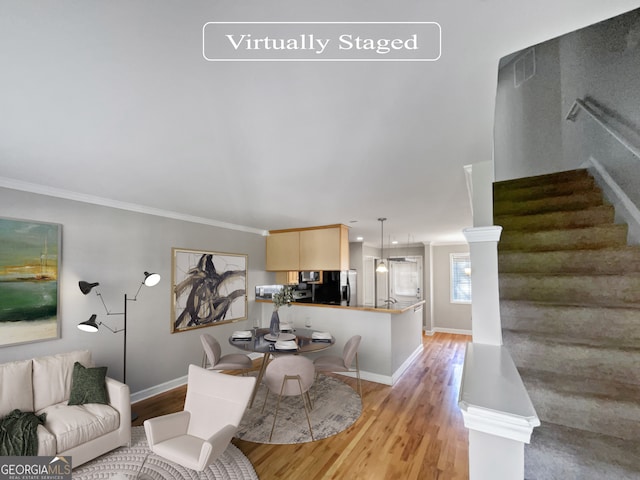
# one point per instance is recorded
(485, 306)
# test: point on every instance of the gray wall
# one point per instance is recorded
(528, 140)
(447, 315)
(114, 247)
(601, 61)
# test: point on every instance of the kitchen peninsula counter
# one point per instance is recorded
(391, 337)
(399, 307)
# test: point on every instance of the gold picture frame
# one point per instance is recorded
(208, 288)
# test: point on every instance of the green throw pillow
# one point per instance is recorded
(87, 385)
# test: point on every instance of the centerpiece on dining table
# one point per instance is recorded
(280, 298)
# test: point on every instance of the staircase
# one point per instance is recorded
(570, 308)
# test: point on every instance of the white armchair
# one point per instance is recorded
(197, 436)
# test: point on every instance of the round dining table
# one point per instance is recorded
(262, 341)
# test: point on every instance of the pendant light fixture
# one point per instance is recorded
(382, 267)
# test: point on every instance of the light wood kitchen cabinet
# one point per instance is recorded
(283, 251)
(287, 278)
(314, 248)
(325, 248)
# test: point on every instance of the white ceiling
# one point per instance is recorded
(112, 102)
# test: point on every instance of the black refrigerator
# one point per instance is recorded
(337, 288)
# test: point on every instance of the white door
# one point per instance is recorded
(405, 279)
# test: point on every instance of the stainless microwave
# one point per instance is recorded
(307, 277)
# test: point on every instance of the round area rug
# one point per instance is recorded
(336, 406)
(124, 464)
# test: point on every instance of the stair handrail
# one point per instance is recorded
(604, 120)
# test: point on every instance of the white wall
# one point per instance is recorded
(447, 315)
(114, 247)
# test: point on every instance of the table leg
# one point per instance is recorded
(263, 367)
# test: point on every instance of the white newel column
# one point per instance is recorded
(493, 400)
(485, 307)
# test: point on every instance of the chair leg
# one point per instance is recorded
(358, 375)
(306, 411)
(277, 408)
(266, 395)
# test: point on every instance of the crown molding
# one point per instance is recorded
(131, 207)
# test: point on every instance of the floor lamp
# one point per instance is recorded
(150, 279)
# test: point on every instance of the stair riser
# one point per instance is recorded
(576, 239)
(572, 290)
(546, 205)
(588, 362)
(601, 215)
(544, 190)
(557, 177)
(620, 419)
(612, 325)
(579, 262)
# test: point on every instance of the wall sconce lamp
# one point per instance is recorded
(150, 279)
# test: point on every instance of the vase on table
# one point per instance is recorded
(274, 326)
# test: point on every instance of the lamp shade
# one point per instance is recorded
(90, 325)
(85, 287)
(382, 267)
(151, 279)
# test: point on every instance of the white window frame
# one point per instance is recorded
(457, 281)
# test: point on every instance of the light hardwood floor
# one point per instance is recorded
(413, 430)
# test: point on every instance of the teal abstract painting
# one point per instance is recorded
(29, 268)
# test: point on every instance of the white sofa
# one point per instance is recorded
(43, 385)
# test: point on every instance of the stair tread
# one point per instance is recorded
(559, 340)
(594, 215)
(557, 189)
(558, 203)
(580, 386)
(594, 237)
(620, 323)
(559, 452)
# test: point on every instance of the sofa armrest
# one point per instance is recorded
(162, 428)
(120, 399)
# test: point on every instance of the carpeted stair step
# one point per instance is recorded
(619, 260)
(557, 452)
(606, 324)
(574, 201)
(556, 177)
(599, 236)
(543, 190)
(606, 407)
(591, 361)
(610, 290)
(589, 217)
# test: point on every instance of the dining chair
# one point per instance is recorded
(335, 363)
(212, 359)
(287, 376)
(198, 435)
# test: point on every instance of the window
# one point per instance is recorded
(460, 278)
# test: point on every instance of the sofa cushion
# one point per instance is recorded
(46, 442)
(72, 425)
(87, 385)
(52, 377)
(15, 387)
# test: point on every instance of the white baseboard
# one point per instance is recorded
(455, 331)
(406, 364)
(158, 389)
